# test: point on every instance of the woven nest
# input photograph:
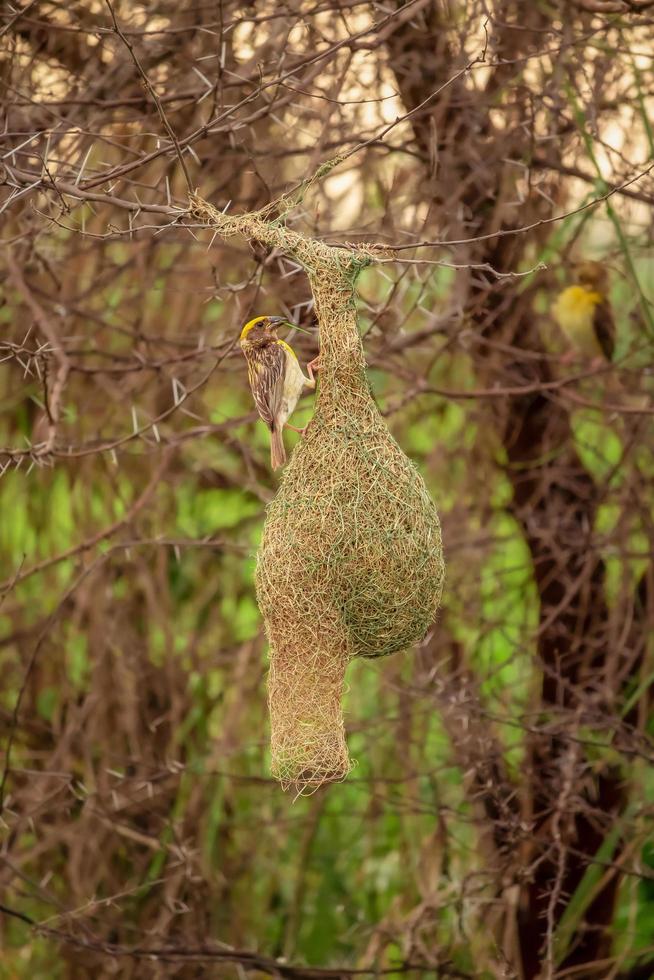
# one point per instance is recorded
(350, 563)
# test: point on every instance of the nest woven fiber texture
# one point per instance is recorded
(350, 562)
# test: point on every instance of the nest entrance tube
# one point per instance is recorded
(305, 686)
(350, 562)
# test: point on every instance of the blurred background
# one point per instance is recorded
(498, 823)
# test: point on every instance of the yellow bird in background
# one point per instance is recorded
(584, 314)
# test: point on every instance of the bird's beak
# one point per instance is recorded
(275, 322)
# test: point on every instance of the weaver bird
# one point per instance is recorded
(584, 315)
(275, 377)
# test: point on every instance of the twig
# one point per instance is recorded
(505, 232)
(155, 97)
(54, 397)
(19, 13)
(91, 542)
(17, 578)
(208, 953)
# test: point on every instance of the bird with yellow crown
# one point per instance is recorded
(275, 377)
(584, 314)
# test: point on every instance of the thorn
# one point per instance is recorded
(84, 162)
(179, 392)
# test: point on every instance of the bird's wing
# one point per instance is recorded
(604, 326)
(266, 370)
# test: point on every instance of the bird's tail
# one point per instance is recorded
(277, 450)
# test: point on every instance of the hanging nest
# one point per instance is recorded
(351, 562)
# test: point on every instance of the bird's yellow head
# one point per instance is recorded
(261, 331)
(591, 274)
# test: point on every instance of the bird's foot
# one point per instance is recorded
(294, 428)
(312, 367)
